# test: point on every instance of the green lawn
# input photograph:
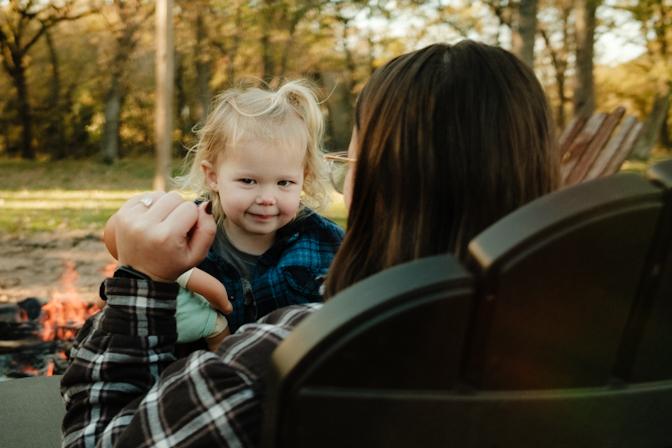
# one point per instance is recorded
(46, 196)
(68, 195)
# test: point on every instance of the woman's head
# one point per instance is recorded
(285, 124)
(449, 139)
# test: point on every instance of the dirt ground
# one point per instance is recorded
(48, 266)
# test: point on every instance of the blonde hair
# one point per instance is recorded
(289, 114)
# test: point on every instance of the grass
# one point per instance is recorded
(45, 196)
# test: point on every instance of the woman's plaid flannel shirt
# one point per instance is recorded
(124, 387)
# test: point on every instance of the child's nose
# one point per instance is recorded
(265, 199)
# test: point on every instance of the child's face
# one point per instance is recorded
(259, 187)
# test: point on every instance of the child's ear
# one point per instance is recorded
(210, 174)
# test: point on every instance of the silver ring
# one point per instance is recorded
(146, 201)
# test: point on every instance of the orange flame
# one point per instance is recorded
(66, 312)
(108, 269)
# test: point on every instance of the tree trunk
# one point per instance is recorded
(651, 129)
(665, 139)
(340, 117)
(287, 47)
(56, 137)
(25, 113)
(235, 45)
(202, 71)
(165, 87)
(562, 100)
(18, 74)
(584, 91)
(110, 142)
(183, 115)
(524, 32)
(559, 56)
(267, 63)
(349, 60)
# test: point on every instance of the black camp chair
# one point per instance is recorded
(354, 374)
(653, 325)
(560, 351)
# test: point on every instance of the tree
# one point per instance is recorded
(125, 19)
(555, 32)
(655, 16)
(524, 32)
(22, 24)
(279, 23)
(584, 88)
(55, 126)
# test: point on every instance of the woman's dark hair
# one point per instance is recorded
(451, 138)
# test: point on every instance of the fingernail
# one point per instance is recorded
(208, 208)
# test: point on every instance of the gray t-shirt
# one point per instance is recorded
(243, 262)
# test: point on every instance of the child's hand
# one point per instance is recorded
(209, 287)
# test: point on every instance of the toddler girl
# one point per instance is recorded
(259, 161)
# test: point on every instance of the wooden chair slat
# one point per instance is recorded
(570, 132)
(625, 150)
(579, 145)
(591, 153)
(596, 146)
(613, 147)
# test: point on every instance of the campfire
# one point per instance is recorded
(65, 313)
(35, 337)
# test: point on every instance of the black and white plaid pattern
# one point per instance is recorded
(124, 387)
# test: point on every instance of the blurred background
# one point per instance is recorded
(78, 76)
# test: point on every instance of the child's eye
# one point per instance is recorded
(285, 183)
(247, 181)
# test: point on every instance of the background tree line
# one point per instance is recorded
(77, 76)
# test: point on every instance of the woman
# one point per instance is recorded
(448, 139)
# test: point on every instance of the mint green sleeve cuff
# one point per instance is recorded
(195, 317)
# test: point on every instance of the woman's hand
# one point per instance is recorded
(161, 235)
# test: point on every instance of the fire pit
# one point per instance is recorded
(36, 336)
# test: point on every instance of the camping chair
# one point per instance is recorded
(354, 374)
(561, 289)
(597, 146)
(653, 326)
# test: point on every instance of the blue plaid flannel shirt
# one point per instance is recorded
(124, 388)
(289, 273)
